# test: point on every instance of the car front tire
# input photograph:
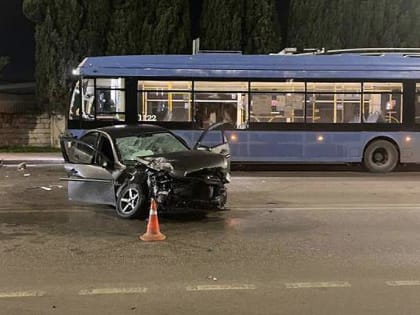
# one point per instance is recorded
(131, 202)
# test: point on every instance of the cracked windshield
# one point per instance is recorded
(147, 145)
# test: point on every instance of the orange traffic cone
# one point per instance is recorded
(153, 230)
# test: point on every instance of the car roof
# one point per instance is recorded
(118, 131)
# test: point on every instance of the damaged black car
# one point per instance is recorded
(125, 166)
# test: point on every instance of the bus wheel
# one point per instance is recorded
(381, 156)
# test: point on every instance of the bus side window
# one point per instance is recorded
(417, 110)
(109, 101)
(230, 108)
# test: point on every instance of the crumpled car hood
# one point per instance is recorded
(187, 162)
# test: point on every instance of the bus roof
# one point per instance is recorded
(242, 67)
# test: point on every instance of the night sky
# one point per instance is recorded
(16, 42)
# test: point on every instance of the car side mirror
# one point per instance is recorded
(202, 148)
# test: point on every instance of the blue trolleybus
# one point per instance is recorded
(347, 107)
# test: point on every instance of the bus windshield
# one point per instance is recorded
(82, 102)
(102, 99)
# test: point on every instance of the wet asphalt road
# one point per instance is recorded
(313, 242)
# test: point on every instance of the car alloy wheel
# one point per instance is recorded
(130, 201)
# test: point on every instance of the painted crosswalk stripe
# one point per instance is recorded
(112, 291)
(400, 283)
(307, 285)
(18, 294)
(217, 287)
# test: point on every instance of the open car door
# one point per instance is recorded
(89, 178)
(213, 139)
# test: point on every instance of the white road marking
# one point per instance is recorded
(112, 291)
(307, 285)
(218, 287)
(400, 283)
(19, 294)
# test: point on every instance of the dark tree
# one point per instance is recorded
(69, 30)
(94, 26)
(172, 32)
(125, 33)
(409, 23)
(222, 25)
(262, 27)
(35, 10)
(150, 27)
(314, 24)
(251, 26)
(66, 31)
(56, 32)
(354, 23)
(3, 61)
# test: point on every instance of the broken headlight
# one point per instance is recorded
(160, 164)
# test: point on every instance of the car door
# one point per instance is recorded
(88, 181)
(213, 139)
